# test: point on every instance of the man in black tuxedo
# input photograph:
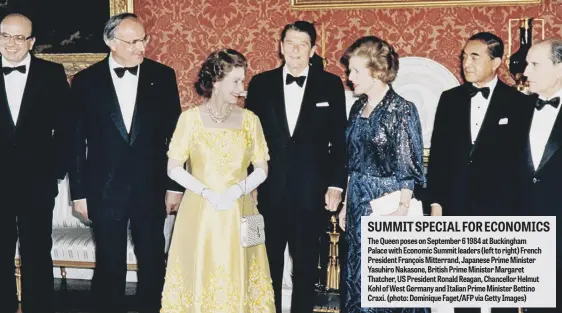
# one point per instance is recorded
(34, 144)
(127, 108)
(471, 141)
(302, 110)
(539, 157)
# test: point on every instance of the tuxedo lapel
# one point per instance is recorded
(280, 108)
(5, 112)
(307, 100)
(113, 101)
(554, 142)
(143, 87)
(464, 117)
(491, 112)
(28, 93)
(524, 129)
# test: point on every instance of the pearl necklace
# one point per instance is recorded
(218, 117)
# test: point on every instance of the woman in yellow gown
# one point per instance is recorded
(208, 270)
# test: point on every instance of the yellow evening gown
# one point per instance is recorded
(208, 270)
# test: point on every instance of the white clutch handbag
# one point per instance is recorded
(252, 230)
(389, 203)
(252, 227)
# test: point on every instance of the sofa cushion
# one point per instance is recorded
(72, 237)
(77, 244)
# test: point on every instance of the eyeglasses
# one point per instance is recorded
(18, 39)
(133, 43)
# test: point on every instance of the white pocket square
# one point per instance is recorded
(503, 121)
(322, 104)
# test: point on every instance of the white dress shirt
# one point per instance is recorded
(541, 127)
(15, 86)
(293, 98)
(126, 89)
(478, 108)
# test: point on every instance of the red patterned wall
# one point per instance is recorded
(184, 32)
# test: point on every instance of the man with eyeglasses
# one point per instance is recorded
(34, 145)
(127, 109)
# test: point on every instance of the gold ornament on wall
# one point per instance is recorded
(516, 62)
(370, 4)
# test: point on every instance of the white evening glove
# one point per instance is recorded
(182, 177)
(227, 199)
(241, 188)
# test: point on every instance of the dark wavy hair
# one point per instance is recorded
(381, 57)
(215, 68)
(303, 27)
(493, 42)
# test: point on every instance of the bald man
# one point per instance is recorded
(34, 150)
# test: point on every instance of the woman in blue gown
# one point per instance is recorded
(385, 148)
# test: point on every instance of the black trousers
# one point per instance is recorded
(301, 229)
(109, 280)
(30, 220)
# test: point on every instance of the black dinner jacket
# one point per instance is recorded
(539, 190)
(474, 179)
(305, 164)
(114, 170)
(34, 151)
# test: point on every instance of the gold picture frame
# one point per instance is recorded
(366, 4)
(75, 62)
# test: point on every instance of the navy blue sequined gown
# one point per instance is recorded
(385, 155)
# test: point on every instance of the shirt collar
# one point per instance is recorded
(303, 73)
(26, 61)
(113, 64)
(556, 94)
(491, 84)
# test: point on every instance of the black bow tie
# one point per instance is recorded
(541, 103)
(473, 90)
(7, 70)
(290, 79)
(120, 71)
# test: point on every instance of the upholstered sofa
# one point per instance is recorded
(73, 250)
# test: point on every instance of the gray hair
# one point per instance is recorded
(555, 49)
(112, 24)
